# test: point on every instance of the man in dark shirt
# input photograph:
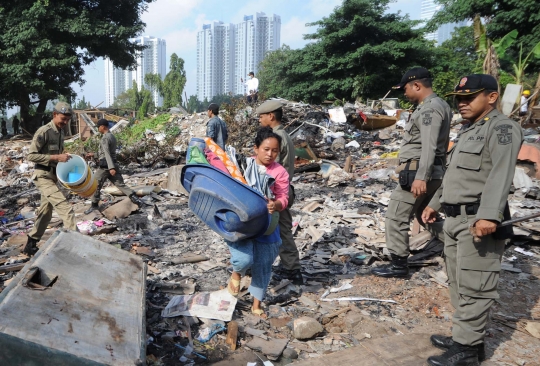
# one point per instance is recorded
(216, 129)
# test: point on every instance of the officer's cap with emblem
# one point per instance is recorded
(475, 83)
(416, 73)
(269, 106)
(63, 108)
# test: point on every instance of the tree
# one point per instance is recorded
(359, 50)
(154, 82)
(194, 105)
(44, 45)
(82, 104)
(136, 100)
(174, 83)
(453, 59)
(502, 16)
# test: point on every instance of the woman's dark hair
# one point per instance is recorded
(265, 133)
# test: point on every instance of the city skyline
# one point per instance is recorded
(151, 60)
(227, 52)
(179, 21)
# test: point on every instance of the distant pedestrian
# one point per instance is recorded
(524, 103)
(4, 127)
(15, 123)
(108, 167)
(252, 88)
(216, 129)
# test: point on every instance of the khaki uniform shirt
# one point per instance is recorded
(481, 166)
(426, 137)
(286, 155)
(107, 150)
(48, 140)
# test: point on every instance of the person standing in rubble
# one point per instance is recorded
(270, 114)
(15, 124)
(259, 253)
(474, 197)
(524, 103)
(4, 127)
(109, 168)
(46, 151)
(252, 87)
(216, 128)
(422, 159)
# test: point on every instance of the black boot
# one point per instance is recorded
(92, 208)
(444, 342)
(457, 355)
(397, 268)
(294, 275)
(31, 246)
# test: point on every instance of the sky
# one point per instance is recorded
(178, 21)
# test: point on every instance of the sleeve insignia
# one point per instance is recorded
(426, 119)
(503, 134)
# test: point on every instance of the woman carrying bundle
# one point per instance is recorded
(259, 253)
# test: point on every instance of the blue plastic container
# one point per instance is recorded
(230, 208)
(195, 141)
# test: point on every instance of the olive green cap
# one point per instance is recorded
(269, 106)
(63, 108)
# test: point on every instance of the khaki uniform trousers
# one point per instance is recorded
(401, 208)
(51, 198)
(473, 274)
(102, 175)
(288, 252)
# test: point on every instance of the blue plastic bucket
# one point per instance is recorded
(230, 208)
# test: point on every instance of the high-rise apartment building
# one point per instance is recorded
(428, 9)
(152, 60)
(226, 53)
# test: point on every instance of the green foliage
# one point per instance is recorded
(82, 104)
(174, 83)
(359, 50)
(136, 100)
(44, 46)
(454, 59)
(502, 16)
(137, 131)
(194, 105)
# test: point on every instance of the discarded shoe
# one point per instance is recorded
(31, 246)
(92, 208)
(457, 355)
(397, 268)
(444, 342)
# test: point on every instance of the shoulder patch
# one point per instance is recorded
(427, 119)
(40, 139)
(503, 134)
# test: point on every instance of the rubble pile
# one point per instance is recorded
(343, 181)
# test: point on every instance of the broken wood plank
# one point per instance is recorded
(232, 334)
(189, 258)
(12, 267)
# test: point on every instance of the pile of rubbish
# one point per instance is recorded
(344, 175)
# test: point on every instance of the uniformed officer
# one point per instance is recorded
(108, 167)
(421, 169)
(474, 196)
(270, 114)
(46, 151)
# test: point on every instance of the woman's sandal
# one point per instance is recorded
(259, 312)
(236, 285)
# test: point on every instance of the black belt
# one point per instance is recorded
(438, 161)
(44, 167)
(455, 210)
